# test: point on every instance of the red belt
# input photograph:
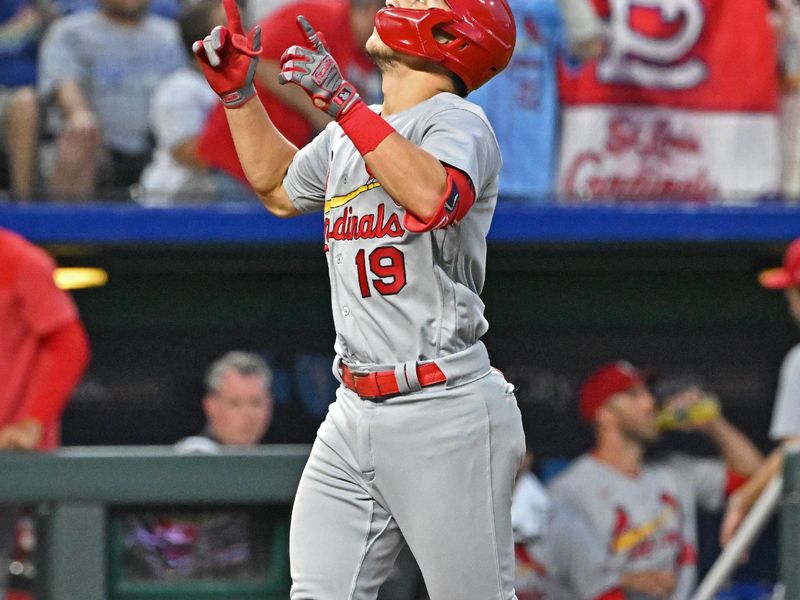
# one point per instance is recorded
(381, 384)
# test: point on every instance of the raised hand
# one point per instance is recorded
(312, 68)
(228, 58)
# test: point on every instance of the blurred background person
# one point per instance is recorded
(100, 67)
(43, 354)
(238, 404)
(21, 24)
(785, 426)
(646, 512)
(522, 102)
(163, 8)
(179, 110)
(258, 9)
(558, 555)
(190, 543)
(346, 24)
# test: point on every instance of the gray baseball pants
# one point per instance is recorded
(434, 469)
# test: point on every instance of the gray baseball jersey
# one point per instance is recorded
(383, 474)
(399, 296)
(558, 555)
(647, 521)
(786, 412)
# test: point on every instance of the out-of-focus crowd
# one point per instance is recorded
(101, 99)
(104, 100)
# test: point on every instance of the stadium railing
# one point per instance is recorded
(76, 488)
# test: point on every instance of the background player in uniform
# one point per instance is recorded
(559, 556)
(43, 354)
(646, 513)
(785, 426)
(408, 190)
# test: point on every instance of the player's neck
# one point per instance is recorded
(404, 88)
(620, 454)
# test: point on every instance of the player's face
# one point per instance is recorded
(635, 414)
(375, 46)
(793, 298)
(126, 9)
(241, 411)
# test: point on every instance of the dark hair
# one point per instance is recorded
(460, 86)
(194, 21)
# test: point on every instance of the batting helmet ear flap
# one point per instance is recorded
(474, 40)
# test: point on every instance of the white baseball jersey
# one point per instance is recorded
(786, 413)
(558, 555)
(646, 521)
(400, 296)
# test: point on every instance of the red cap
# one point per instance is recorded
(787, 275)
(606, 381)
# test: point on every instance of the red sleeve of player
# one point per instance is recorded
(455, 204)
(733, 481)
(42, 306)
(60, 363)
(63, 350)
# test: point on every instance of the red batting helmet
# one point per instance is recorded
(786, 276)
(480, 36)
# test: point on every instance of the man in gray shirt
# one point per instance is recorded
(645, 513)
(99, 68)
(785, 427)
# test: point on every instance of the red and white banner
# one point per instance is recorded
(682, 104)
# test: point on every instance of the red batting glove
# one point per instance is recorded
(312, 68)
(228, 58)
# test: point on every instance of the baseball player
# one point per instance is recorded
(646, 513)
(559, 556)
(785, 427)
(423, 442)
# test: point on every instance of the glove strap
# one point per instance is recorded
(343, 99)
(365, 128)
(239, 97)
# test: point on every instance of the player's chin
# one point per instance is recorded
(377, 49)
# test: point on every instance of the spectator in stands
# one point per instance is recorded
(259, 9)
(179, 110)
(43, 353)
(347, 24)
(100, 68)
(238, 404)
(21, 24)
(785, 427)
(645, 513)
(787, 16)
(522, 102)
(169, 9)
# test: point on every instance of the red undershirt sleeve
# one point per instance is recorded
(61, 361)
(733, 481)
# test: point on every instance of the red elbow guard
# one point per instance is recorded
(456, 202)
